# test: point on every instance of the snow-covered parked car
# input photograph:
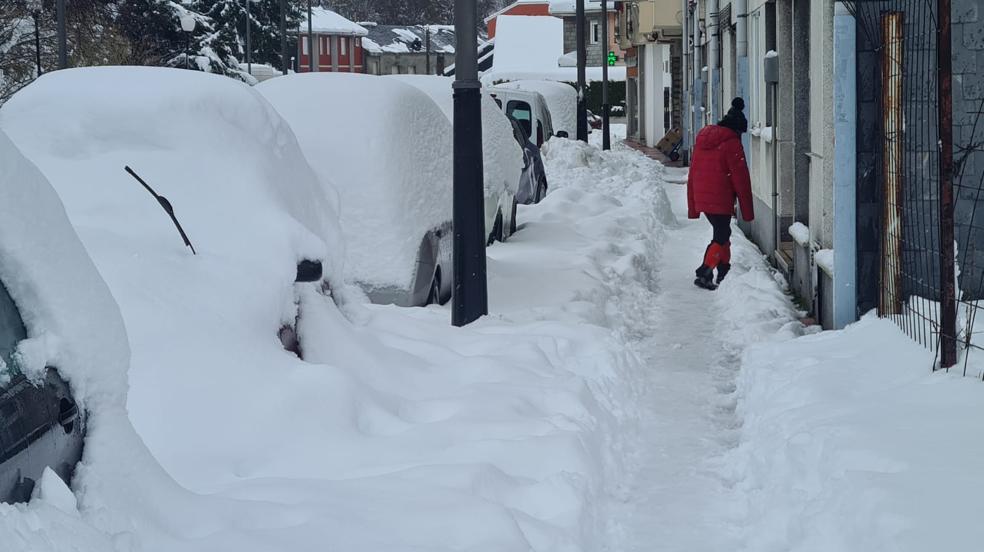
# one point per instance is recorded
(530, 110)
(561, 100)
(503, 158)
(386, 147)
(201, 326)
(58, 326)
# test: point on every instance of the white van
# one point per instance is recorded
(529, 109)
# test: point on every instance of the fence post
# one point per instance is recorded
(890, 302)
(948, 292)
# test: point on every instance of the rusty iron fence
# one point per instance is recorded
(920, 178)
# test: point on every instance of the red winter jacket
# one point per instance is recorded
(718, 174)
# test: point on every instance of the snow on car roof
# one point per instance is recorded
(326, 21)
(390, 158)
(502, 156)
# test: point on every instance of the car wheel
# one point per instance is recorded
(541, 191)
(512, 220)
(496, 233)
(434, 298)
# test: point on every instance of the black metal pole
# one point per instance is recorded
(62, 40)
(249, 45)
(470, 298)
(606, 137)
(948, 299)
(285, 57)
(427, 39)
(582, 59)
(37, 41)
(310, 39)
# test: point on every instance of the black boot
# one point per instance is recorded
(723, 270)
(705, 278)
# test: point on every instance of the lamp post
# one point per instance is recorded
(310, 38)
(188, 26)
(249, 45)
(62, 40)
(283, 36)
(470, 297)
(606, 137)
(582, 60)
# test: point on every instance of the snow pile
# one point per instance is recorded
(390, 160)
(561, 100)
(562, 8)
(328, 22)
(850, 443)
(502, 156)
(801, 233)
(825, 260)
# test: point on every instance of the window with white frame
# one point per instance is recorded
(344, 41)
(595, 32)
(304, 45)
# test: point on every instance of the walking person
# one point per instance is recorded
(718, 176)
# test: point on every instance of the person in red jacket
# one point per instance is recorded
(718, 176)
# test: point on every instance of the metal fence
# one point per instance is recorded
(921, 171)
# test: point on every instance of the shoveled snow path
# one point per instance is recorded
(673, 499)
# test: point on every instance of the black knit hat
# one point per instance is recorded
(735, 119)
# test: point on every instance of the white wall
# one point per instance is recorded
(821, 121)
(652, 72)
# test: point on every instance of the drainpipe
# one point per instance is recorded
(712, 60)
(741, 44)
(698, 90)
(688, 139)
(845, 168)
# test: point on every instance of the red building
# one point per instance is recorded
(519, 7)
(336, 44)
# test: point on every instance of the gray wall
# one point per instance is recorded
(383, 64)
(596, 58)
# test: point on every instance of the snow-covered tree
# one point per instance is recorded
(229, 19)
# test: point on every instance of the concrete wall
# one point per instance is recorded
(596, 53)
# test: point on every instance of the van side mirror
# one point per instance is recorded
(309, 271)
(562, 134)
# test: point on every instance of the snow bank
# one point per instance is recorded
(561, 100)
(390, 160)
(502, 156)
(851, 444)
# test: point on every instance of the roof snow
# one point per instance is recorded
(403, 39)
(568, 7)
(328, 22)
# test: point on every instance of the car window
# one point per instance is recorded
(12, 332)
(498, 102)
(523, 113)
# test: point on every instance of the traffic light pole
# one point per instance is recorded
(470, 297)
(582, 60)
(606, 137)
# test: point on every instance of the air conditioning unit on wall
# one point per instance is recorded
(665, 34)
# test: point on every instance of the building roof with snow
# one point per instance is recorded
(568, 8)
(508, 10)
(403, 39)
(326, 21)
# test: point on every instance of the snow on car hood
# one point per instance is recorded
(387, 148)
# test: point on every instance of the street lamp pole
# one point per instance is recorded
(62, 40)
(310, 39)
(606, 136)
(188, 26)
(249, 46)
(470, 297)
(582, 59)
(283, 36)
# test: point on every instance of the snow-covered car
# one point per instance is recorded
(502, 159)
(58, 324)
(561, 100)
(385, 145)
(530, 109)
(533, 184)
(201, 326)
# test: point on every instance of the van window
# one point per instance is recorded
(12, 332)
(539, 133)
(523, 113)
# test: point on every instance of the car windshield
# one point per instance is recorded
(12, 332)
(523, 113)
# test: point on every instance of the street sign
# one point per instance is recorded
(612, 58)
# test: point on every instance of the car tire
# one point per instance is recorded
(496, 233)
(512, 220)
(434, 297)
(541, 191)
